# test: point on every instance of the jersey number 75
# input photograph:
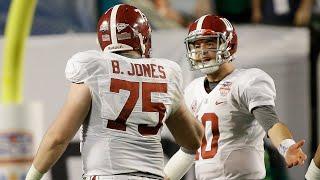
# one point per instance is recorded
(147, 106)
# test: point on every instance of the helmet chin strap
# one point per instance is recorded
(210, 70)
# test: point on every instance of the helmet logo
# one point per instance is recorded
(124, 36)
(121, 26)
(104, 26)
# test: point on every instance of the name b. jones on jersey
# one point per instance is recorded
(146, 70)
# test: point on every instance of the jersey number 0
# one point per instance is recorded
(214, 134)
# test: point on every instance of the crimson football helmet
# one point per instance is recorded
(211, 28)
(124, 27)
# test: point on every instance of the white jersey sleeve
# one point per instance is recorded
(176, 82)
(78, 66)
(259, 89)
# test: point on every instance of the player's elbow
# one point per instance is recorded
(55, 140)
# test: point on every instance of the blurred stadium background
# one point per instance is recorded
(282, 37)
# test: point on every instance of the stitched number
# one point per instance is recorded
(147, 106)
(213, 135)
(133, 87)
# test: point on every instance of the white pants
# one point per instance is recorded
(238, 164)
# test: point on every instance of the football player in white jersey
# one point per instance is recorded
(236, 107)
(120, 97)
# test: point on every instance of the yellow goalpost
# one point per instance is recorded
(17, 30)
(17, 118)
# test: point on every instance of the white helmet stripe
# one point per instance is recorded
(113, 24)
(227, 23)
(200, 21)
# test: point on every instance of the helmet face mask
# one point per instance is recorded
(206, 57)
(211, 42)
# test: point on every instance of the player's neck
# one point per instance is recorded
(224, 70)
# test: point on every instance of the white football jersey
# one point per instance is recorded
(233, 144)
(131, 98)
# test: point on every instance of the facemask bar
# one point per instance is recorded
(221, 51)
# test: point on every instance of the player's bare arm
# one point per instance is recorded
(313, 172)
(186, 130)
(63, 128)
(188, 133)
(281, 137)
(316, 158)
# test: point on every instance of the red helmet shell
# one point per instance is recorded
(212, 24)
(124, 27)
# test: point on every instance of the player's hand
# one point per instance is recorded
(294, 155)
(166, 178)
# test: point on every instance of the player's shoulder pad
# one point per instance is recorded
(254, 76)
(75, 68)
(85, 56)
(253, 71)
(256, 73)
(194, 83)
